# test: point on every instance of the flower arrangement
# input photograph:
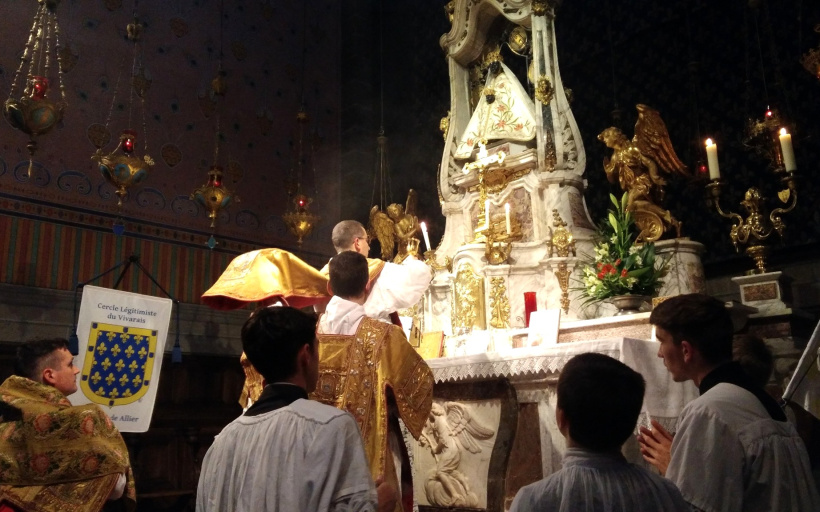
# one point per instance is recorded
(620, 266)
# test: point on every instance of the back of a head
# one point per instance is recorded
(701, 320)
(344, 234)
(34, 356)
(273, 336)
(601, 399)
(755, 357)
(348, 274)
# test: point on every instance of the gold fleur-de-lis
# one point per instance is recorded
(138, 338)
(105, 364)
(142, 353)
(120, 365)
(110, 379)
(125, 338)
(136, 381)
(96, 378)
(100, 391)
(101, 348)
(116, 350)
(123, 380)
(111, 335)
(127, 393)
(129, 351)
(114, 393)
(133, 366)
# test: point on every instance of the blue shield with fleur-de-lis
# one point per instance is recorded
(119, 364)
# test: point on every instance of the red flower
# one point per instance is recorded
(612, 271)
(600, 275)
(600, 265)
(87, 425)
(519, 126)
(42, 423)
(90, 464)
(623, 273)
(618, 261)
(502, 123)
(501, 108)
(39, 463)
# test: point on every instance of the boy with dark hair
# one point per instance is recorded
(286, 452)
(734, 449)
(599, 400)
(390, 379)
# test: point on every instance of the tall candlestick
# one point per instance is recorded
(426, 237)
(487, 213)
(788, 151)
(711, 157)
(507, 212)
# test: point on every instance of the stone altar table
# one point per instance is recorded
(488, 459)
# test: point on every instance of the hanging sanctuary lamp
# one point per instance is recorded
(31, 110)
(214, 196)
(123, 167)
(300, 221)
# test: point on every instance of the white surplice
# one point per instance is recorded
(729, 455)
(303, 457)
(598, 482)
(397, 287)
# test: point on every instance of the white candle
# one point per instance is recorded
(426, 237)
(487, 213)
(507, 211)
(711, 157)
(788, 151)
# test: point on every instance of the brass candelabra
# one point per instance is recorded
(754, 231)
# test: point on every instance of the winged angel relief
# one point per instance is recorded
(398, 223)
(636, 164)
(450, 429)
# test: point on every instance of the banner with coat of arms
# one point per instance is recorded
(121, 343)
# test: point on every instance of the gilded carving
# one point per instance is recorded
(544, 91)
(562, 274)
(468, 298)
(635, 165)
(539, 7)
(444, 125)
(499, 304)
(561, 241)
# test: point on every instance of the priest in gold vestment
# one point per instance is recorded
(368, 368)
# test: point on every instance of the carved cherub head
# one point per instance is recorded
(395, 211)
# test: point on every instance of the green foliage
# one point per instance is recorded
(620, 266)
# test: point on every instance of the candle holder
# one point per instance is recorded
(754, 231)
(430, 259)
(498, 241)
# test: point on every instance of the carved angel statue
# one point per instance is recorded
(399, 222)
(450, 431)
(636, 164)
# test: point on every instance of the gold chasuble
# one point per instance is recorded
(58, 457)
(355, 373)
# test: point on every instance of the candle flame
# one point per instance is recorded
(709, 142)
(423, 226)
(783, 131)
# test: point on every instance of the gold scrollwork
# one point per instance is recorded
(499, 304)
(562, 274)
(444, 125)
(562, 241)
(468, 300)
(539, 7)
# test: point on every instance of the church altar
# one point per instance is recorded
(494, 416)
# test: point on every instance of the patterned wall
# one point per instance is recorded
(49, 255)
(262, 47)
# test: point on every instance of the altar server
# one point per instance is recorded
(734, 449)
(599, 400)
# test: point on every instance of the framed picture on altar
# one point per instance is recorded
(544, 324)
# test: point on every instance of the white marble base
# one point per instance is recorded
(762, 291)
(685, 270)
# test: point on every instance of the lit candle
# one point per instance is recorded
(426, 237)
(487, 213)
(788, 151)
(711, 157)
(507, 211)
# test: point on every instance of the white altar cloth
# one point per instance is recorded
(664, 398)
